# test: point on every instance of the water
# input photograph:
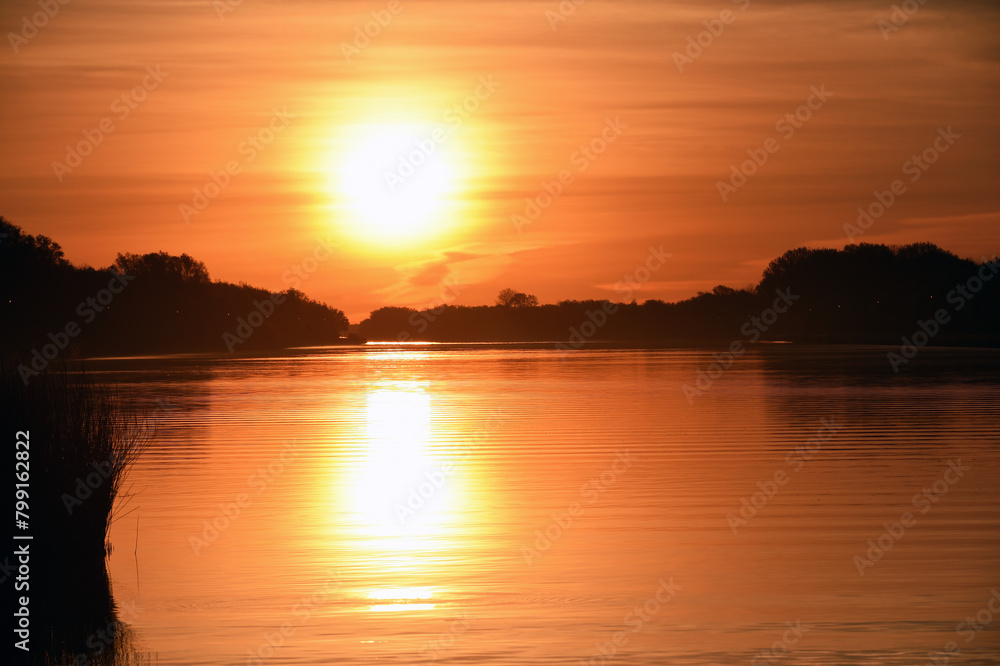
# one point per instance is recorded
(506, 505)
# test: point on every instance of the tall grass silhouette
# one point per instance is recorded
(84, 438)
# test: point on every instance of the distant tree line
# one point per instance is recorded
(160, 303)
(864, 293)
(141, 304)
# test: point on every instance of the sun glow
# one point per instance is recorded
(397, 183)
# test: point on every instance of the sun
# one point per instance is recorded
(396, 182)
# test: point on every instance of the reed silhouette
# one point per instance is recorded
(83, 439)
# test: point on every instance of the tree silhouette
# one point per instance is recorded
(162, 265)
(144, 303)
(24, 251)
(863, 293)
(516, 299)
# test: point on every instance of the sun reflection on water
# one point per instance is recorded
(401, 599)
(402, 501)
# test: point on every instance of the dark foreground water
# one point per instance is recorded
(505, 505)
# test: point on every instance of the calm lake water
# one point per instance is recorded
(508, 505)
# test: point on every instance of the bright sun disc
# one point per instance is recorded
(396, 181)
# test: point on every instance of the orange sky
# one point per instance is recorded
(221, 79)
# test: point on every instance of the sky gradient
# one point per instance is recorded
(269, 89)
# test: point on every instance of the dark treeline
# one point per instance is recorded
(158, 303)
(143, 304)
(862, 294)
